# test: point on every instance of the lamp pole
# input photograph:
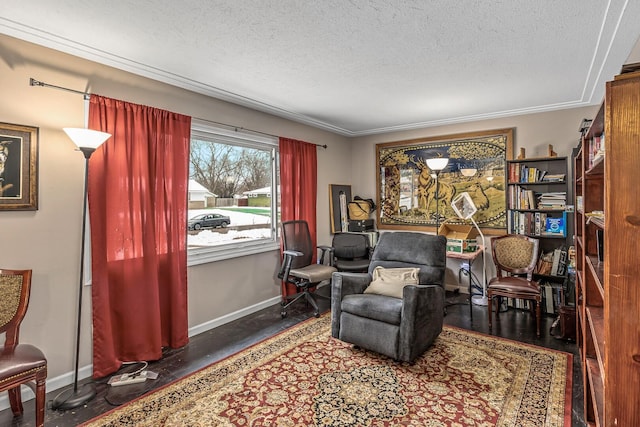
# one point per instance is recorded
(87, 141)
(436, 165)
(437, 172)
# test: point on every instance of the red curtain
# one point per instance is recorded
(298, 187)
(138, 182)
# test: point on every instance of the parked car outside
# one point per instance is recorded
(210, 220)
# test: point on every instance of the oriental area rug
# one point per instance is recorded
(303, 377)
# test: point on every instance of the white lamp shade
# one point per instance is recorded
(468, 171)
(437, 163)
(87, 138)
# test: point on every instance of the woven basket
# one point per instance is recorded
(359, 210)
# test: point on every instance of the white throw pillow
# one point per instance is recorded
(390, 281)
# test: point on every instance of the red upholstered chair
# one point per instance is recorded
(19, 363)
(515, 257)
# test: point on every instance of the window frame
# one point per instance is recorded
(207, 131)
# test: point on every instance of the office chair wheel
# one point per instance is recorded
(283, 314)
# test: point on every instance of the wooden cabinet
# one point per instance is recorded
(607, 241)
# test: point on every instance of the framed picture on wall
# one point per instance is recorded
(18, 167)
(339, 197)
(406, 187)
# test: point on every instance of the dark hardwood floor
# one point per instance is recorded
(228, 339)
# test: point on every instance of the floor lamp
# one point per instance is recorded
(464, 207)
(87, 141)
(436, 165)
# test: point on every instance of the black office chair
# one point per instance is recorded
(297, 265)
(351, 252)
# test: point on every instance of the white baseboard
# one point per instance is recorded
(203, 327)
(86, 371)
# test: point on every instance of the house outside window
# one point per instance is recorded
(231, 175)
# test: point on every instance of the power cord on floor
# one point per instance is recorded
(475, 282)
(116, 396)
(134, 373)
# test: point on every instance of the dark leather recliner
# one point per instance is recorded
(402, 329)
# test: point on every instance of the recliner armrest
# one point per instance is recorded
(343, 284)
(422, 317)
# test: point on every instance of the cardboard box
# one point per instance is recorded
(460, 238)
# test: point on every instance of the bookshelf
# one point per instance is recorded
(607, 291)
(537, 200)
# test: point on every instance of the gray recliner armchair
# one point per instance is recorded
(400, 328)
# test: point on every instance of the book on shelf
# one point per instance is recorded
(559, 264)
(557, 200)
(532, 223)
(600, 244)
(544, 264)
(556, 177)
(555, 225)
(595, 214)
(547, 295)
(562, 262)
(531, 199)
(518, 303)
(537, 229)
(524, 173)
(596, 149)
(556, 261)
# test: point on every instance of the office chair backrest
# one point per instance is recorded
(412, 249)
(15, 286)
(351, 245)
(296, 237)
(515, 253)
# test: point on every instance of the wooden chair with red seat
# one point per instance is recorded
(19, 363)
(515, 257)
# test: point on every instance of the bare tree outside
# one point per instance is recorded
(227, 170)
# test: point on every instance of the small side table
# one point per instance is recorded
(470, 257)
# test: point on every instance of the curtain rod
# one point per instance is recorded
(34, 82)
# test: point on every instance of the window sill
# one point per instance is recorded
(222, 252)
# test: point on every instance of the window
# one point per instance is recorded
(228, 173)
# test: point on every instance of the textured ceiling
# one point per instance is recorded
(352, 67)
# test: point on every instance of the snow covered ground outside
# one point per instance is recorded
(217, 236)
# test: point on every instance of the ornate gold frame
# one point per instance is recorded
(18, 167)
(405, 185)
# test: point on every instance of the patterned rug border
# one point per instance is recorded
(568, 393)
(301, 325)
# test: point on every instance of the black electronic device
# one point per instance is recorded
(600, 244)
(361, 225)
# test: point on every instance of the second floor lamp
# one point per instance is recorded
(437, 164)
